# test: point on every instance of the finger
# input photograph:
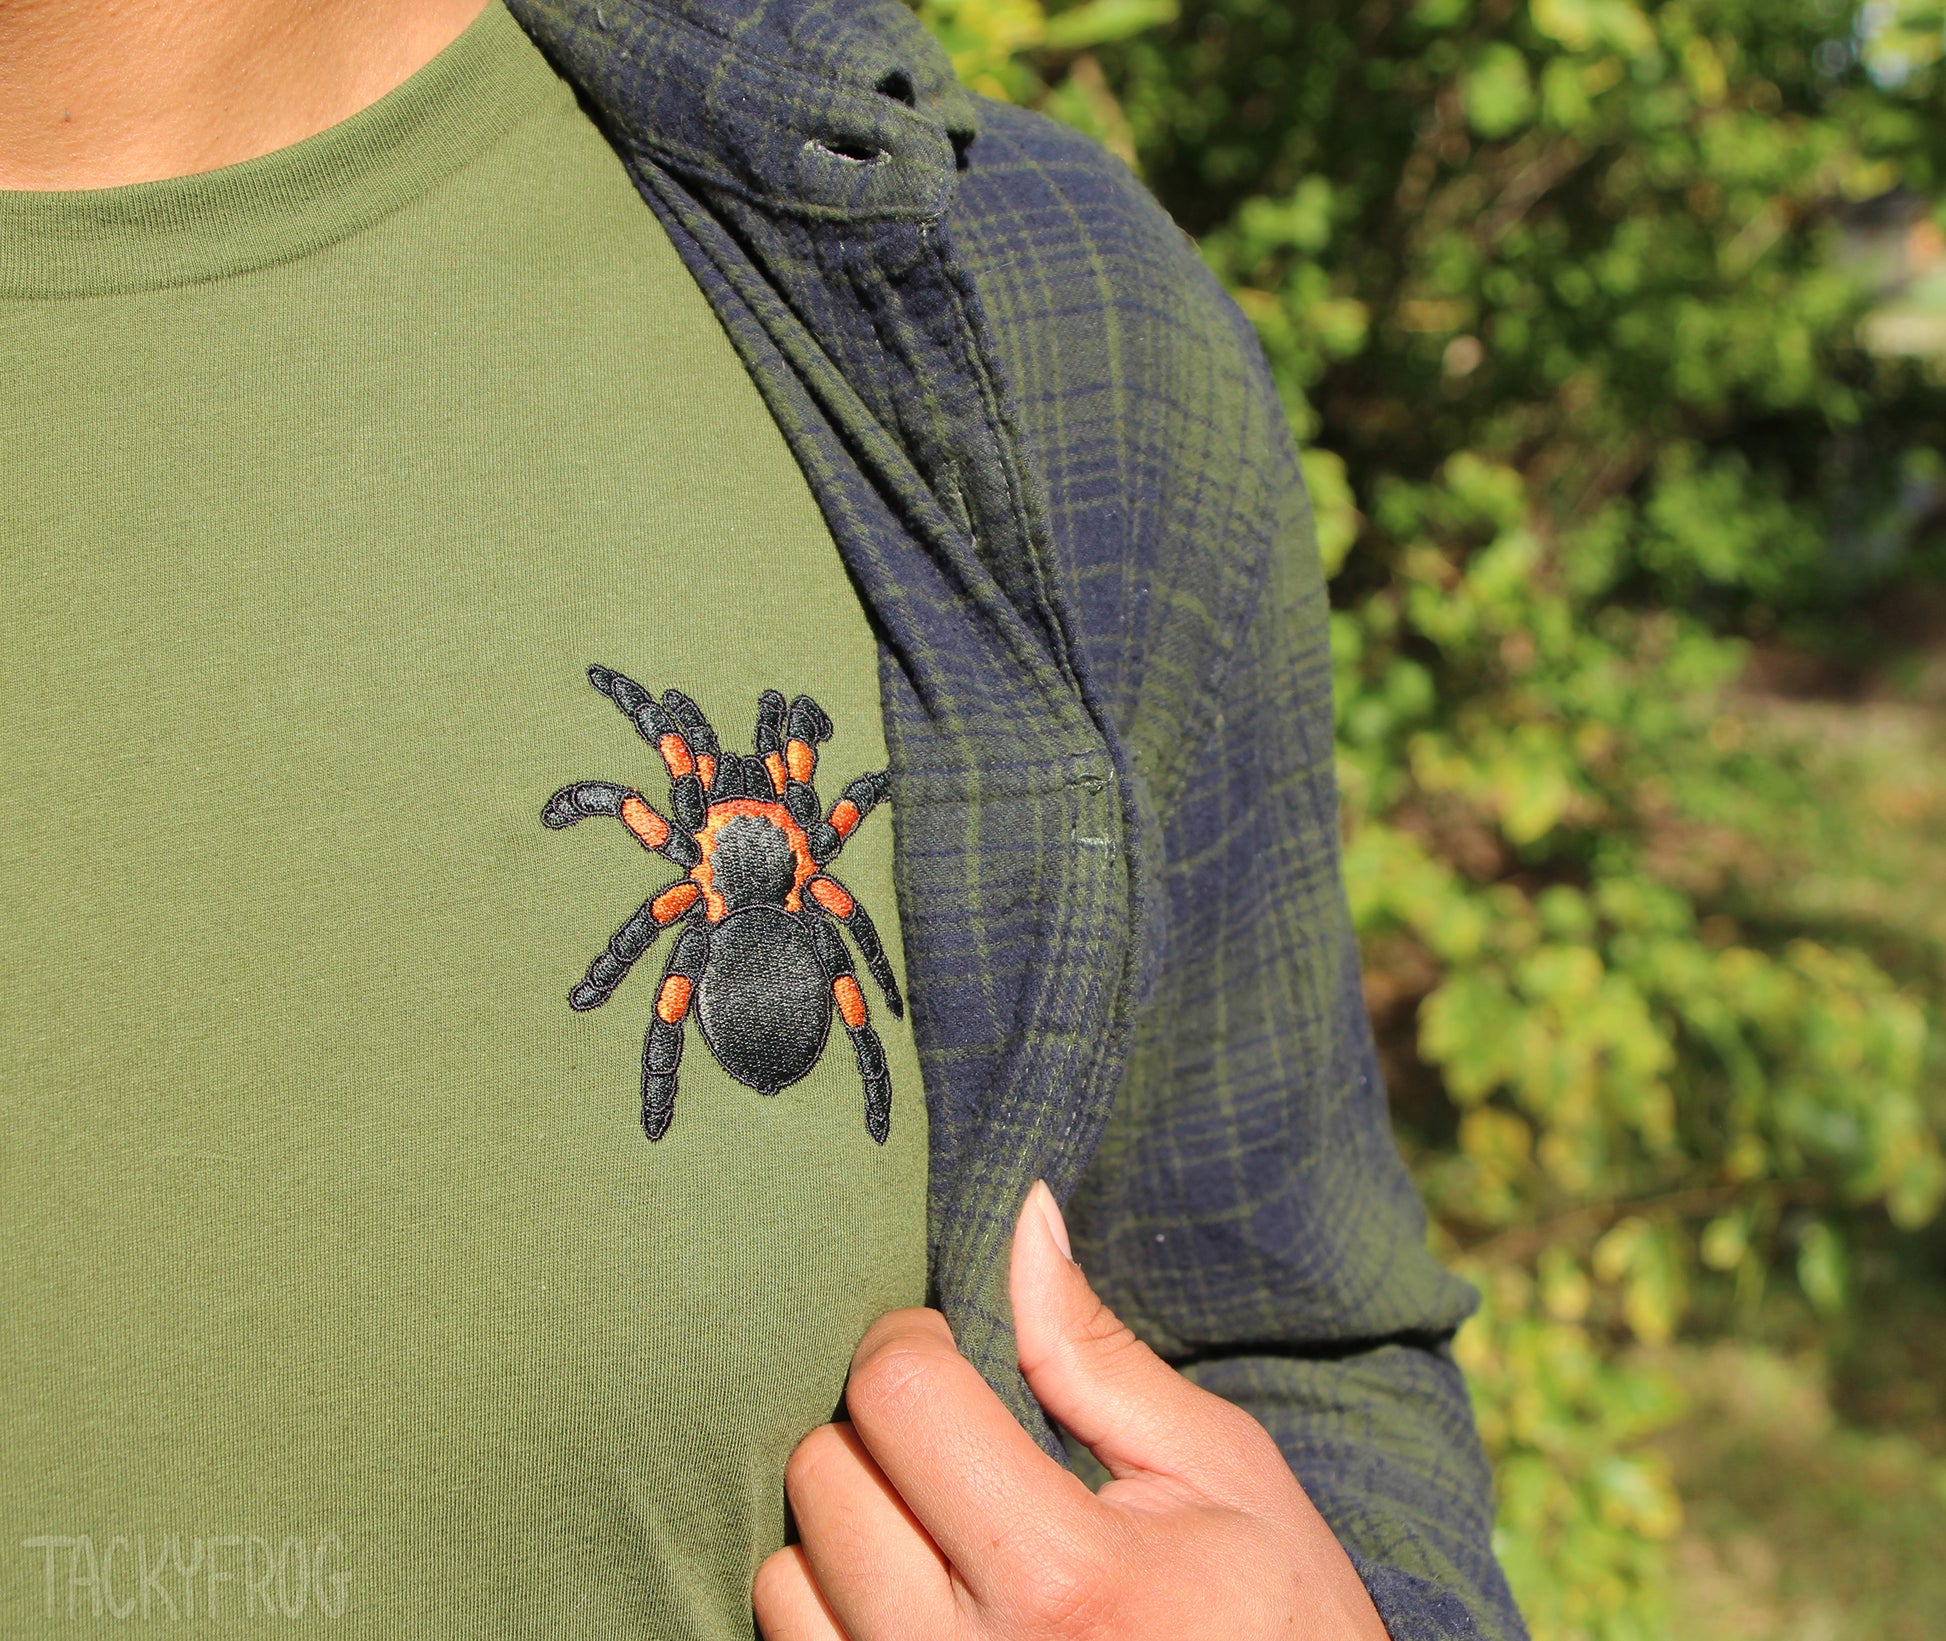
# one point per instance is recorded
(878, 1571)
(982, 1489)
(787, 1603)
(1110, 1391)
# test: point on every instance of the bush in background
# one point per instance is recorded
(1565, 300)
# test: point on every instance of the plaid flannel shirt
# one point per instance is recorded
(1054, 463)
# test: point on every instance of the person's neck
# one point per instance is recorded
(97, 93)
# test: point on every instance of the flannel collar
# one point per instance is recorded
(822, 110)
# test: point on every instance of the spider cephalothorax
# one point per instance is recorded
(759, 960)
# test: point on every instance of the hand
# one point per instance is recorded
(933, 1516)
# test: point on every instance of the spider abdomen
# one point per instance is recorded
(763, 1000)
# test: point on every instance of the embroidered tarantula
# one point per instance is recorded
(759, 958)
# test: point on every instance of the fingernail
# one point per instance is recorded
(1057, 1227)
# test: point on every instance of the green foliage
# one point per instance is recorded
(1562, 301)
(1579, 1488)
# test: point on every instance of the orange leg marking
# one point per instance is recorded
(775, 765)
(801, 758)
(851, 1001)
(844, 818)
(674, 901)
(831, 896)
(644, 822)
(706, 768)
(675, 753)
(672, 1002)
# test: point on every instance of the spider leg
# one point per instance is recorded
(662, 1046)
(837, 901)
(801, 799)
(656, 725)
(787, 739)
(857, 801)
(630, 941)
(850, 1001)
(807, 725)
(588, 798)
(768, 739)
(696, 731)
(786, 743)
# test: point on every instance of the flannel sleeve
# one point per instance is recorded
(1248, 1211)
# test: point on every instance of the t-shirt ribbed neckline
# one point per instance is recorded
(285, 204)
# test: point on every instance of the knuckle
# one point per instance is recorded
(911, 1324)
(1109, 1343)
(889, 1379)
(1262, 1475)
(769, 1576)
(1248, 1437)
(1103, 1328)
(1068, 1586)
(812, 1458)
(774, 1589)
(1242, 1433)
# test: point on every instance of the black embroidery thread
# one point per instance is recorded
(759, 962)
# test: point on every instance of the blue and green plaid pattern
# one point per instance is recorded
(1047, 447)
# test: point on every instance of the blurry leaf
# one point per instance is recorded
(1097, 22)
(1647, 1261)
(1300, 222)
(1636, 1496)
(1566, 1292)
(1565, 912)
(1616, 1253)
(985, 38)
(1083, 100)
(1498, 1140)
(1725, 1241)
(1821, 1268)
(1499, 91)
(1581, 24)
(1918, 1186)
(1333, 507)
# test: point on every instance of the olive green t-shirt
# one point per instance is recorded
(344, 1284)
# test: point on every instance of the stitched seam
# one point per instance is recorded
(308, 247)
(696, 163)
(667, 189)
(966, 341)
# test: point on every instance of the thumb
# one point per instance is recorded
(1118, 1398)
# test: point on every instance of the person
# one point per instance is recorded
(562, 565)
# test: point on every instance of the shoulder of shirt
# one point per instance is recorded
(1050, 194)
(1142, 395)
(1090, 290)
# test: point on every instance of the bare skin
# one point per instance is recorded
(97, 93)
